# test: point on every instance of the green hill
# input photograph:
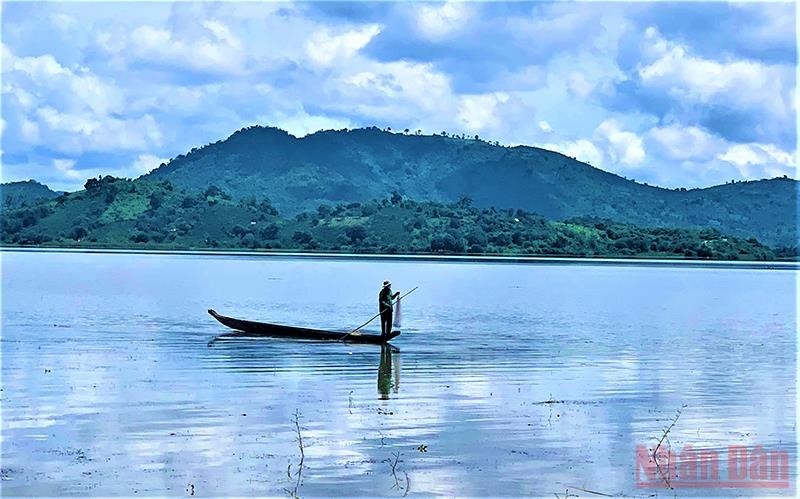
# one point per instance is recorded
(29, 192)
(154, 214)
(298, 174)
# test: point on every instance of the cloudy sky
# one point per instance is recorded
(674, 94)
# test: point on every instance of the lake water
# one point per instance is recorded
(508, 379)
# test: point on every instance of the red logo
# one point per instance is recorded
(737, 466)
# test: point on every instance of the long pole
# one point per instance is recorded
(376, 315)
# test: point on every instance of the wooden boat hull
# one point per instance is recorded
(252, 328)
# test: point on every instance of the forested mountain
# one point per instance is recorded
(29, 192)
(154, 214)
(347, 166)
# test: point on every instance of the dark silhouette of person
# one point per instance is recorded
(386, 308)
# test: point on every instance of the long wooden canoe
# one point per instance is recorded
(251, 328)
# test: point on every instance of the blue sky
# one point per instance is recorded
(674, 94)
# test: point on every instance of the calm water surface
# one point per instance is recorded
(508, 379)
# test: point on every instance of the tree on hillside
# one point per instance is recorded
(239, 231)
(78, 232)
(356, 233)
(156, 199)
(369, 209)
(448, 243)
(269, 232)
(302, 237)
(214, 191)
(250, 241)
(476, 237)
(464, 202)
(189, 201)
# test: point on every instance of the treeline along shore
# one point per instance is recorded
(148, 214)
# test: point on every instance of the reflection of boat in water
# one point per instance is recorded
(385, 382)
(252, 328)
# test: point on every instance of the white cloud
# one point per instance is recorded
(556, 23)
(479, 112)
(579, 85)
(214, 49)
(29, 131)
(172, 100)
(96, 94)
(70, 110)
(394, 90)
(696, 149)
(623, 146)
(545, 127)
(744, 156)
(740, 83)
(65, 173)
(42, 67)
(99, 133)
(109, 42)
(685, 143)
(300, 123)
(581, 149)
(776, 26)
(74, 88)
(65, 167)
(324, 48)
(222, 33)
(24, 98)
(63, 22)
(147, 37)
(145, 163)
(72, 123)
(438, 21)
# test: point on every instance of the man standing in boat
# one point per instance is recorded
(386, 308)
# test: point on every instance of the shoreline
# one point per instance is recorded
(511, 259)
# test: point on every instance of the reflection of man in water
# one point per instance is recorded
(385, 307)
(385, 373)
